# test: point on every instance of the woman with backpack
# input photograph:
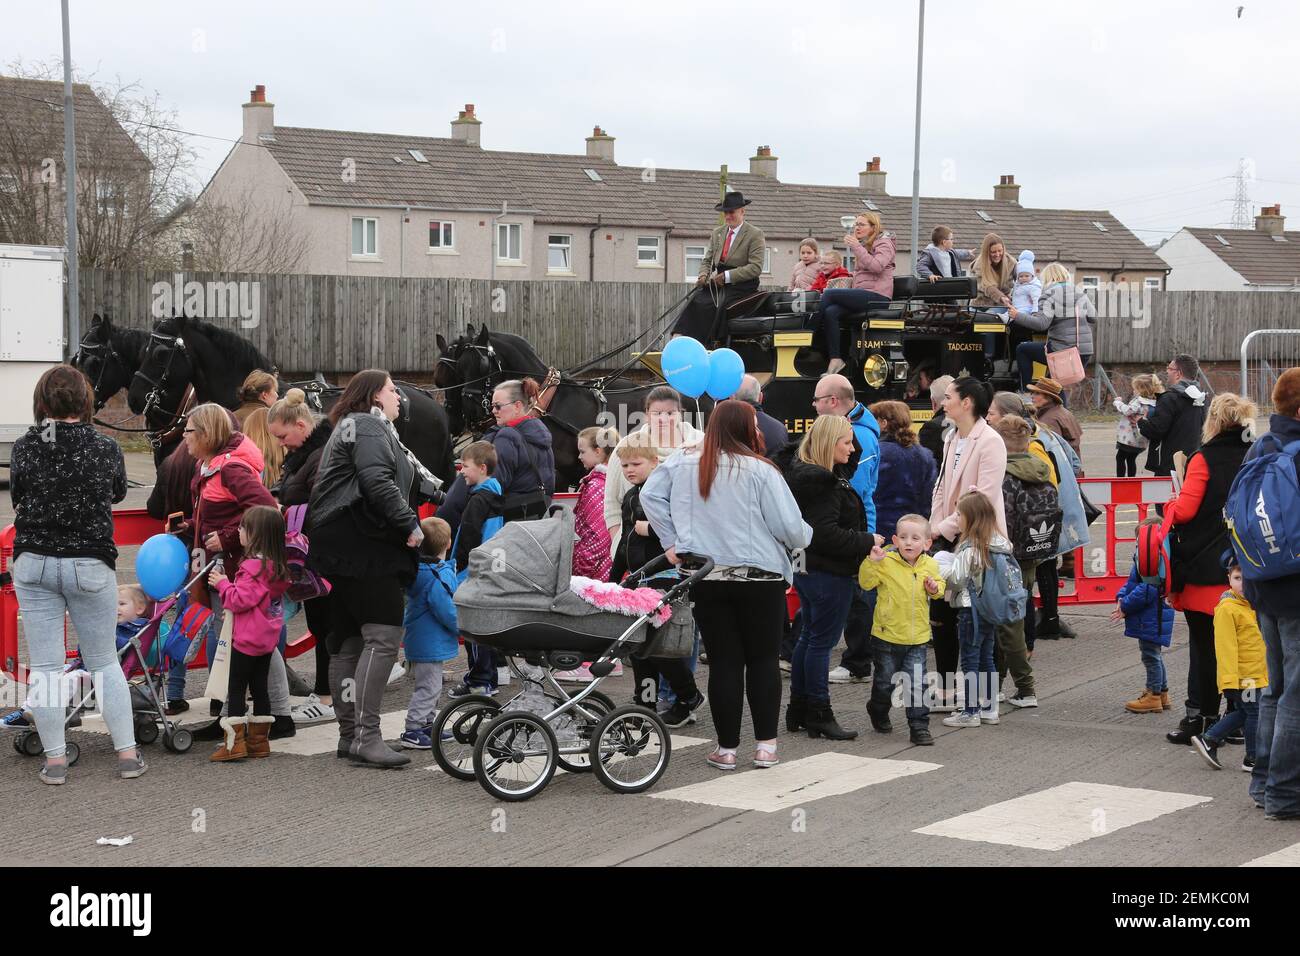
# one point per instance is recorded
(1198, 536)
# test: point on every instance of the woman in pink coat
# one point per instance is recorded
(873, 282)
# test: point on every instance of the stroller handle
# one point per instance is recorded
(698, 566)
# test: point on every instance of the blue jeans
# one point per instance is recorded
(978, 672)
(824, 599)
(1244, 713)
(1275, 782)
(856, 658)
(835, 305)
(906, 664)
(1155, 665)
(483, 664)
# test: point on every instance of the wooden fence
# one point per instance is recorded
(339, 324)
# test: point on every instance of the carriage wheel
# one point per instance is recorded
(31, 744)
(630, 749)
(146, 731)
(515, 756)
(73, 753)
(461, 722)
(178, 741)
(571, 724)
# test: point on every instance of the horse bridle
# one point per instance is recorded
(108, 352)
(159, 437)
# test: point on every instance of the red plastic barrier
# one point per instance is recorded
(1110, 494)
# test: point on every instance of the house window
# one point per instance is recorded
(365, 236)
(767, 260)
(647, 250)
(1090, 286)
(849, 259)
(1152, 283)
(442, 235)
(108, 198)
(559, 254)
(694, 261)
(509, 242)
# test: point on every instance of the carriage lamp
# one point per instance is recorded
(875, 370)
(900, 371)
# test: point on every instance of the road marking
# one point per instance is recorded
(1288, 857)
(1062, 816)
(678, 743)
(795, 783)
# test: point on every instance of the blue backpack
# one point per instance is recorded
(1002, 599)
(1261, 514)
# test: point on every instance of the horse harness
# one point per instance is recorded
(176, 425)
(549, 389)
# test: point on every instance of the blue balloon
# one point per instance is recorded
(726, 369)
(161, 565)
(685, 363)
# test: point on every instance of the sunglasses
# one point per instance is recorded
(497, 406)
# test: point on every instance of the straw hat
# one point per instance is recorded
(1049, 387)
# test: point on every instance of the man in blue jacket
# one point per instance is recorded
(834, 396)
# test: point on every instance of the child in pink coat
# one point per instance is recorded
(807, 268)
(591, 553)
(254, 601)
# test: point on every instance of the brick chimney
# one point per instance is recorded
(259, 116)
(872, 179)
(763, 163)
(1270, 220)
(600, 145)
(1007, 189)
(465, 127)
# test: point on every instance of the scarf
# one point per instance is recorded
(424, 473)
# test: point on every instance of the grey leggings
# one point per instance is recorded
(87, 589)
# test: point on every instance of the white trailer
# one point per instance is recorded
(31, 332)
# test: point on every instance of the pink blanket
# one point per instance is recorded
(632, 602)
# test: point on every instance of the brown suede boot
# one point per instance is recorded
(1148, 703)
(1164, 700)
(257, 741)
(234, 747)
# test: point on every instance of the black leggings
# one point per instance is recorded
(319, 618)
(1202, 665)
(740, 623)
(943, 631)
(248, 673)
(675, 670)
(1126, 460)
(358, 601)
(1049, 586)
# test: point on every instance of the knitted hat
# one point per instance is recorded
(1025, 263)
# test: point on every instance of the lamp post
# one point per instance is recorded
(70, 188)
(916, 147)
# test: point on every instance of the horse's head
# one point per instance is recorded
(446, 377)
(478, 369)
(99, 361)
(166, 369)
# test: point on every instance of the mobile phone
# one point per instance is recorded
(174, 521)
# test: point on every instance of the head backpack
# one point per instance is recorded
(304, 583)
(1261, 512)
(1152, 556)
(1002, 598)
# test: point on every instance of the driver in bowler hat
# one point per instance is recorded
(729, 273)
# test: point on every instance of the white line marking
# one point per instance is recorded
(1062, 816)
(796, 783)
(1287, 857)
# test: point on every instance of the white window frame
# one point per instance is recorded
(657, 261)
(443, 226)
(364, 254)
(688, 255)
(1151, 282)
(502, 254)
(767, 260)
(566, 245)
(850, 260)
(1090, 283)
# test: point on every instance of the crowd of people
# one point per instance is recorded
(900, 541)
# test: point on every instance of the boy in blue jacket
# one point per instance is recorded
(482, 519)
(1149, 618)
(431, 632)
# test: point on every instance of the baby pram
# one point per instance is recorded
(145, 659)
(517, 599)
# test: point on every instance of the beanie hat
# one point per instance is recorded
(1025, 263)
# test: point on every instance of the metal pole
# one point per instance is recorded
(70, 189)
(916, 149)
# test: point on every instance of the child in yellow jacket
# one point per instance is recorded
(904, 578)
(1243, 672)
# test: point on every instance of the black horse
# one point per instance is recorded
(476, 363)
(188, 362)
(109, 357)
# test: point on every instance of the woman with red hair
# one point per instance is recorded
(725, 501)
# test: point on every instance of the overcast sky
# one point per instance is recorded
(1141, 108)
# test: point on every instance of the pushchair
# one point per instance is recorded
(144, 659)
(517, 599)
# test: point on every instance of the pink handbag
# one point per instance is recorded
(1066, 366)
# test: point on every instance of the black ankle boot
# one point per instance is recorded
(795, 712)
(1048, 628)
(283, 727)
(820, 722)
(880, 723)
(1188, 728)
(213, 731)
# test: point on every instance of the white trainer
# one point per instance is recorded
(312, 711)
(842, 675)
(962, 719)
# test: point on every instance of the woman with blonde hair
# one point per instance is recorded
(873, 282)
(818, 474)
(1198, 537)
(1066, 314)
(256, 428)
(995, 272)
(259, 390)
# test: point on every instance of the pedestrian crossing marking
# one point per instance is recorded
(795, 783)
(1062, 816)
(1286, 857)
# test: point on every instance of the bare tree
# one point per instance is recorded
(135, 168)
(240, 232)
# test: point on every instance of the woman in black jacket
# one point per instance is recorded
(364, 533)
(818, 472)
(293, 423)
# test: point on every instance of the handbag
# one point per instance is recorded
(1066, 366)
(1090, 511)
(219, 666)
(676, 638)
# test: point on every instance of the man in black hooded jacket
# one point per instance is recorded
(1175, 424)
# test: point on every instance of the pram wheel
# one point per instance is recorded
(462, 720)
(73, 753)
(515, 756)
(571, 724)
(178, 741)
(146, 731)
(630, 749)
(29, 744)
